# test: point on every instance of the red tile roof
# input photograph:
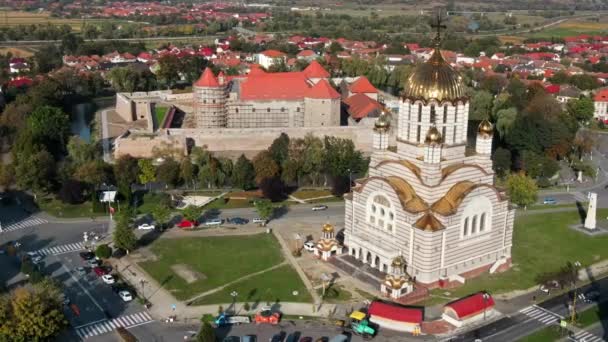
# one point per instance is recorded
(361, 105)
(601, 95)
(471, 305)
(323, 90)
(362, 85)
(395, 312)
(306, 53)
(207, 79)
(275, 86)
(315, 70)
(552, 88)
(256, 70)
(273, 53)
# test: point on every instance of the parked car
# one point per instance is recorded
(93, 262)
(249, 338)
(309, 246)
(306, 339)
(278, 337)
(145, 226)
(81, 271)
(237, 220)
(108, 279)
(293, 337)
(187, 224)
(232, 339)
(549, 200)
(87, 256)
(258, 221)
(214, 222)
(319, 207)
(125, 295)
(100, 271)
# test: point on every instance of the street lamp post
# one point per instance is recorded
(234, 294)
(143, 283)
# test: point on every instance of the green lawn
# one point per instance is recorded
(150, 200)
(225, 203)
(272, 286)
(553, 206)
(592, 315)
(159, 116)
(335, 294)
(219, 260)
(542, 243)
(548, 334)
(57, 208)
(310, 193)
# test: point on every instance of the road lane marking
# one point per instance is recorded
(83, 288)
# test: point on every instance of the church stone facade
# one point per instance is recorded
(430, 200)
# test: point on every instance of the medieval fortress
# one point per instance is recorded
(243, 113)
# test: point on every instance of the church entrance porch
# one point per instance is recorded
(358, 269)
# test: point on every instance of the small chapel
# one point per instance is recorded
(429, 212)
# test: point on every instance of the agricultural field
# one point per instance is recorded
(14, 18)
(572, 28)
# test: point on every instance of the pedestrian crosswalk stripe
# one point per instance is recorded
(587, 337)
(109, 325)
(543, 316)
(62, 249)
(30, 222)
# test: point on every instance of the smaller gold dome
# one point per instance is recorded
(485, 128)
(398, 262)
(328, 228)
(383, 122)
(433, 136)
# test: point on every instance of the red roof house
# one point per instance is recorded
(395, 317)
(360, 106)
(552, 89)
(601, 96)
(207, 79)
(363, 85)
(468, 309)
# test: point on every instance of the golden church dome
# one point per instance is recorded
(383, 122)
(433, 136)
(434, 79)
(328, 228)
(398, 262)
(485, 128)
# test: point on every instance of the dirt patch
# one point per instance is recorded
(186, 273)
(17, 52)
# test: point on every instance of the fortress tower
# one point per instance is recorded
(209, 101)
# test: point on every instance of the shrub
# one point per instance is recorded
(71, 192)
(103, 251)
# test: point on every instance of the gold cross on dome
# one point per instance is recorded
(438, 26)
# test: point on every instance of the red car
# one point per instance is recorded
(187, 224)
(267, 316)
(100, 271)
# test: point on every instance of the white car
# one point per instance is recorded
(108, 279)
(145, 226)
(309, 246)
(319, 207)
(125, 295)
(36, 259)
(214, 222)
(258, 221)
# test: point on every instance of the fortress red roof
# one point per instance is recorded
(362, 85)
(275, 86)
(315, 70)
(207, 79)
(323, 90)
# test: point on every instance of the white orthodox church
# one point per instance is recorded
(429, 213)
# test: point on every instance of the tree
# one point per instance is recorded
(264, 208)
(243, 173)
(341, 158)
(147, 172)
(505, 118)
(80, 151)
(93, 172)
(103, 251)
(521, 189)
(168, 70)
(313, 157)
(35, 171)
(273, 188)
(71, 192)
(125, 173)
(581, 109)
(191, 213)
(168, 172)
(161, 214)
(124, 238)
(206, 333)
(49, 126)
(501, 161)
(517, 89)
(32, 313)
(186, 171)
(279, 149)
(481, 105)
(264, 166)
(584, 81)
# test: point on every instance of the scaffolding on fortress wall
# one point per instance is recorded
(209, 107)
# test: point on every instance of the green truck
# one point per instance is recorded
(360, 325)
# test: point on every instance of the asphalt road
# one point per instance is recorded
(519, 325)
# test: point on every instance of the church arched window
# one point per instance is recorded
(445, 114)
(477, 217)
(482, 222)
(465, 228)
(380, 213)
(474, 225)
(419, 112)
